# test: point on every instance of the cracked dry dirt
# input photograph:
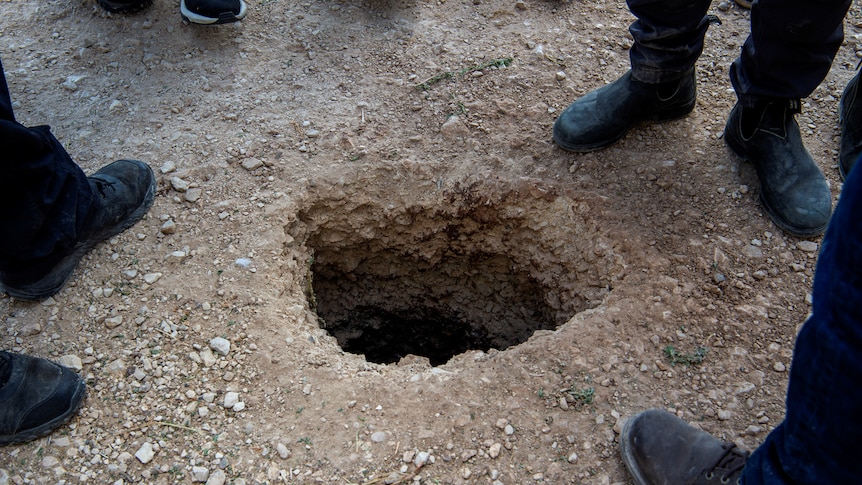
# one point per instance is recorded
(301, 173)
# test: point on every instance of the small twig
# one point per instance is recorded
(423, 86)
(179, 426)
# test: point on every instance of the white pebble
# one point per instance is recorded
(145, 453)
(200, 474)
(220, 345)
(230, 399)
(282, 450)
(71, 361)
(151, 278)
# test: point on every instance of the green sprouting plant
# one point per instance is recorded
(694, 358)
(582, 397)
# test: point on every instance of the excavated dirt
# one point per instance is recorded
(363, 199)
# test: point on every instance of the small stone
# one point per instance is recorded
(572, 458)
(114, 322)
(509, 430)
(145, 453)
(238, 407)
(168, 167)
(282, 450)
(218, 477)
(220, 345)
(753, 430)
(30, 329)
(378, 437)
(209, 359)
(71, 361)
(494, 450)
(151, 278)
(421, 459)
(168, 228)
(807, 246)
(561, 76)
(252, 164)
(230, 399)
(200, 474)
(779, 367)
(179, 184)
(176, 256)
(466, 455)
(193, 194)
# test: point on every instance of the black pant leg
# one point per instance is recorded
(45, 197)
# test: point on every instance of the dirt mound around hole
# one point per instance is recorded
(477, 265)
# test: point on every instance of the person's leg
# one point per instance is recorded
(45, 198)
(668, 38)
(51, 214)
(790, 49)
(817, 442)
(788, 53)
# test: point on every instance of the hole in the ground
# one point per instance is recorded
(473, 269)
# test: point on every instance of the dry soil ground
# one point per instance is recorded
(307, 181)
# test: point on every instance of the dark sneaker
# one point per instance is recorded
(124, 192)
(605, 115)
(660, 449)
(36, 396)
(209, 12)
(850, 117)
(124, 6)
(793, 190)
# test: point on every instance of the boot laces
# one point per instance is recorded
(104, 187)
(728, 466)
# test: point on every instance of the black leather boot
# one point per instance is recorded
(660, 449)
(36, 396)
(605, 115)
(123, 191)
(850, 117)
(793, 190)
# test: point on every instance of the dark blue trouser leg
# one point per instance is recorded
(44, 196)
(818, 442)
(788, 53)
(790, 49)
(668, 37)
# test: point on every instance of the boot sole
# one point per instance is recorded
(736, 147)
(43, 288)
(658, 117)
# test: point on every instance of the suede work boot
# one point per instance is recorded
(850, 117)
(605, 115)
(793, 190)
(36, 396)
(660, 449)
(123, 191)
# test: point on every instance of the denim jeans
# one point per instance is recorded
(819, 440)
(788, 53)
(45, 198)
